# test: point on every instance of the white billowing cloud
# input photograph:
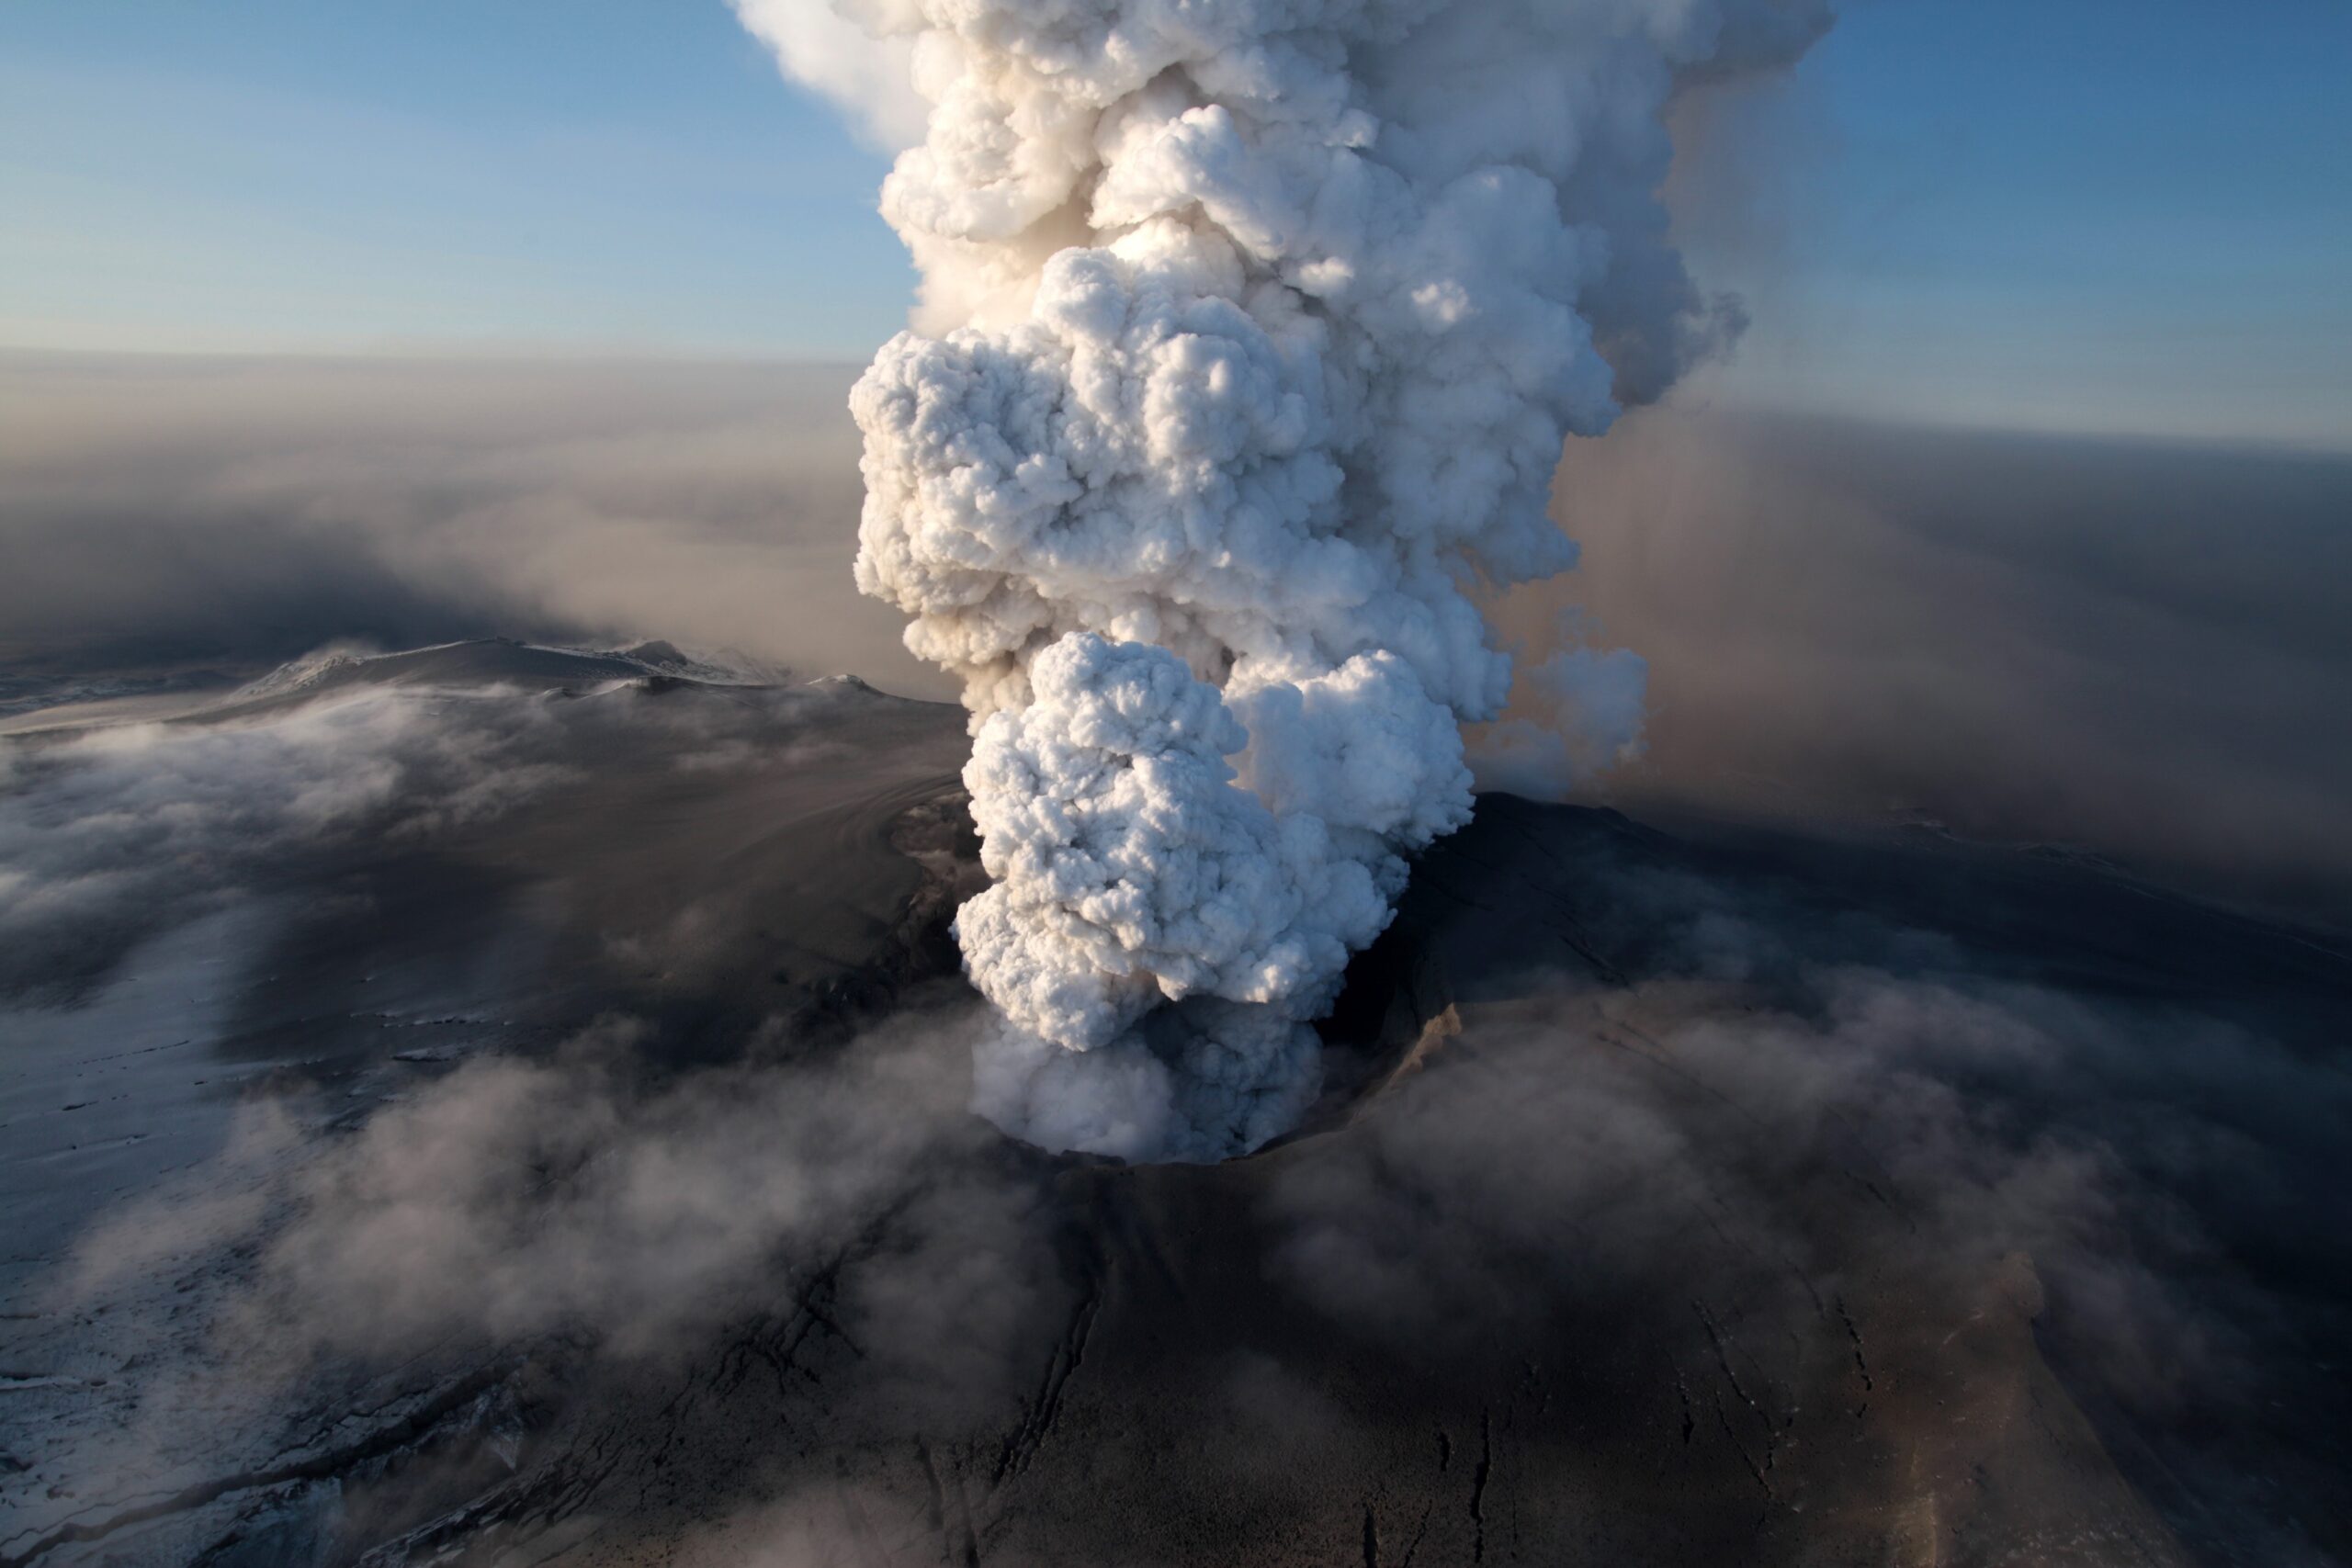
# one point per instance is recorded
(1590, 707)
(1131, 873)
(870, 77)
(1251, 331)
(1129, 870)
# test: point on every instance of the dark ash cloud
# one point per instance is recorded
(2132, 646)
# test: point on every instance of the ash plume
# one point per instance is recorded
(1250, 336)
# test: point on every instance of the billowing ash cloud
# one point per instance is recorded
(1251, 334)
(1590, 707)
(868, 78)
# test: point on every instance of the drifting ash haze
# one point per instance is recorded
(1251, 334)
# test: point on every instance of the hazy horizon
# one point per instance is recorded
(1808, 591)
(2017, 216)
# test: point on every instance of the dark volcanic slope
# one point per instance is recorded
(1719, 1197)
(1744, 1205)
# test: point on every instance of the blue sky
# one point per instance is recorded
(2064, 214)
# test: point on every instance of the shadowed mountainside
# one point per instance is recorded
(558, 1153)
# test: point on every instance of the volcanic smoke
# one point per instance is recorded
(1250, 334)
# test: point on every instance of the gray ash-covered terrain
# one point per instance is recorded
(502, 1104)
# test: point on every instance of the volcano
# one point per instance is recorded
(586, 1175)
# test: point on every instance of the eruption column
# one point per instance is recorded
(1251, 334)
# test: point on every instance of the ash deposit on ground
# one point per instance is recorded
(1183, 1057)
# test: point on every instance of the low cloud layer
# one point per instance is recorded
(589, 1193)
(112, 835)
(592, 1213)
